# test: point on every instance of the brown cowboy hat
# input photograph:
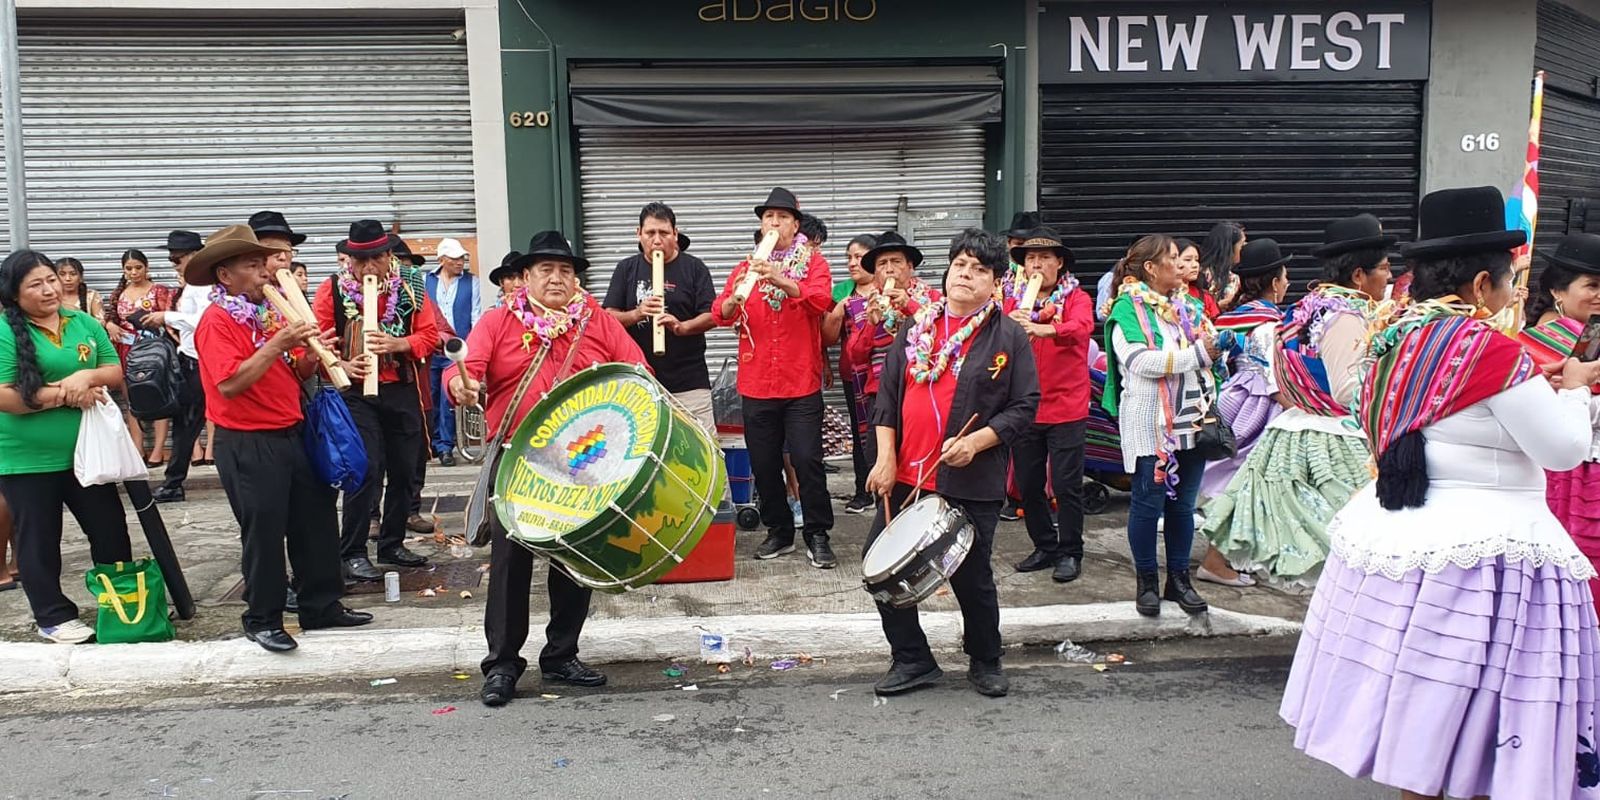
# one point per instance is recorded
(234, 240)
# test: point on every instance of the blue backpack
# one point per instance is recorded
(333, 444)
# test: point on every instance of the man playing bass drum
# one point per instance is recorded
(553, 315)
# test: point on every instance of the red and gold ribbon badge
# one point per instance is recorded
(998, 365)
(84, 352)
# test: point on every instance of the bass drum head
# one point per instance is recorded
(580, 449)
(904, 535)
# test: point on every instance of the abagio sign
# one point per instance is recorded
(1227, 42)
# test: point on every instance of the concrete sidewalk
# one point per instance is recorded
(777, 607)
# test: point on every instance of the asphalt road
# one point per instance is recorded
(1179, 721)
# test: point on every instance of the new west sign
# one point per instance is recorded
(1193, 42)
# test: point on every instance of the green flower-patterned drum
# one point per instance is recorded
(609, 477)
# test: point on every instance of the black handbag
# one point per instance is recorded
(1215, 441)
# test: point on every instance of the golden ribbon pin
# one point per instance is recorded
(998, 365)
(527, 341)
(83, 353)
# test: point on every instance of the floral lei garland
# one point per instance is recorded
(926, 366)
(1053, 304)
(1417, 315)
(793, 264)
(350, 292)
(543, 324)
(262, 320)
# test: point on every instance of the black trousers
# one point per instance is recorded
(1055, 450)
(420, 478)
(861, 430)
(505, 619)
(37, 501)
(186, 427)
(390, 425)
(973, 585)
(769, 426)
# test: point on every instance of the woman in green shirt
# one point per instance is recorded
(53, 362)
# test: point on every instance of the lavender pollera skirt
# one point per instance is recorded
(1475, 680)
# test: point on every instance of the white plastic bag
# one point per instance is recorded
(105, 452)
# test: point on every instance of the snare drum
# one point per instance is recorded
(922, 547)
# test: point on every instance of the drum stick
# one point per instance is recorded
(888, 516)
(658, 283)
(340, 378)
(762, 253)
(1031, 294)
(369, 323)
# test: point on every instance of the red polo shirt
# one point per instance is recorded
(925, 414)
(424, 336)
(271, 403)
(496, 356)
(1063, 360)
(780, 352)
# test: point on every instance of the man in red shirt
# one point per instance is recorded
(251, 363)
(1059, 324)
(780, 377)
(550, 314)
(957, 387)
(390, 423)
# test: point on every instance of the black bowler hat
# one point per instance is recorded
(1360, 232)
(1040, 238)
(1024, 223)
(1261, 256)
(890, 242)
(1462, 222)
(1579, 252)
(508, 268)
(268, 223)
(781, 199)
(184, 241)
(403, 252)
(683, 242)
(550, 246)
(367, 239)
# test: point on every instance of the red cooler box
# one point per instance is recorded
(712, 558)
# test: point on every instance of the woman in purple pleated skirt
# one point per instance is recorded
(1450, 649)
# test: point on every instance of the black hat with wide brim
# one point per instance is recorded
(890, 242)
(508, 268)
(550, 246)
(781, 199)
(1462, 222)
(1040, 238)
(367, 239)
(1578, 252)
(403, 252)
(272, 223)
(1259, 257)
(1024, 223)
(1348, 234)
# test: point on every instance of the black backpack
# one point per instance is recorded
(154, 376)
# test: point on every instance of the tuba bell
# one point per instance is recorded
(471, 428)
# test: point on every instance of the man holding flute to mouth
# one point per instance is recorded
(400, 338)
(681, 306)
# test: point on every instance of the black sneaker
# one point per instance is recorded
(819, 551)
(1011, 513)
(860, 504)
(777, 544)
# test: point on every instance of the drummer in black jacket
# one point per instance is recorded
(957, 388)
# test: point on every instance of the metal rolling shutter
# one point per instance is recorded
(1282, 159)
(928, 183)
(138, 126)
(1569, 155)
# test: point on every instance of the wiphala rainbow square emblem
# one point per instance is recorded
(586, 449)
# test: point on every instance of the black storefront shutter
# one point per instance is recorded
(1569, 158)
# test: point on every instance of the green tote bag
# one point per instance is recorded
(133, 602)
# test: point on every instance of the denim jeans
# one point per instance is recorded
(1150, 503)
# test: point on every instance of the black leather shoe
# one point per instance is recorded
(987, 678)
(274, 640)
(1037, 560)
(169, 494)
(447, 459)
(291, 601)
(576, 673)
(498, 689)
(775, 545)
(820, 552)
(359, 568)
(1179, 590)
(343, 618)
(401, 557)
(905, 677)
(1146, 600)
(1067, 569)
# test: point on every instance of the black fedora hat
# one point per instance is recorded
(1024, 223)
(508, 268)
(889, 242)
(267, 223)
(1578, 252)
(1260, 256)
(1459, 222)
(403, 252)
(184, 241)
(367, 238)
(781, 199)
(550, 246)
(683, 242)
(1360, 232)
(1040, 238)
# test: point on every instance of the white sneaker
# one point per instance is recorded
(70, 632)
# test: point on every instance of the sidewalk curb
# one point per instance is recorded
(386, 653)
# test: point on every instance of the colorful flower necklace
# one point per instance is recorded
(262, 320)
(1045, 308)
(926, 365)
(1190, 321)
(543, 324)
(350, 292)
(1419, 314)
(792, 264)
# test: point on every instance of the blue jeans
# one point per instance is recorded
(1150, 503)
(444, 413)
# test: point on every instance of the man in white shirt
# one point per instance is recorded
(182, 319)
(454, 290)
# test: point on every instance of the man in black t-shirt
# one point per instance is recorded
(685, 310)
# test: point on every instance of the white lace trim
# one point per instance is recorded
(1465, 555)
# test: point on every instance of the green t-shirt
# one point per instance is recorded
(44, 441)
(842, 289)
